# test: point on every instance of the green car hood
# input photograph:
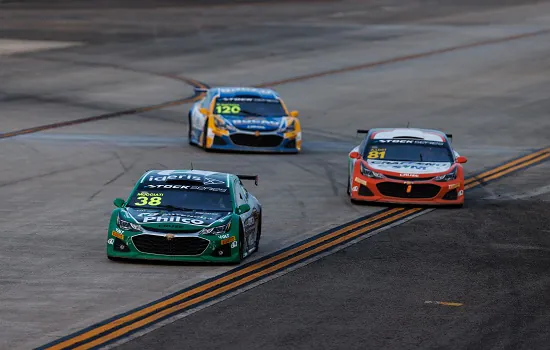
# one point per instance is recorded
(174, 219)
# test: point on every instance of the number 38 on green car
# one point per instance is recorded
(186, 215)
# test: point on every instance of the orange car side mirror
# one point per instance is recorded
(294, 114)
(355, 155)
(461, 159)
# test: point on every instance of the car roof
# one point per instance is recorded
(408, 133)
(200, 177)
(245, 91)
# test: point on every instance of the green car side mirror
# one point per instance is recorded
(244, 208)
(119, 202)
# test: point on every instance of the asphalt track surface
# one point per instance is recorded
(477, 71)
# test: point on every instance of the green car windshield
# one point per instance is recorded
(177, 198)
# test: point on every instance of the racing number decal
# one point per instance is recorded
(379, 153)
(153, 201)
(227, 108)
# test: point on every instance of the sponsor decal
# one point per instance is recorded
(178, 219)
(361, 181)
(210, 181)
(118, 230)
(409, 165)
(187, 172)
(117, 235)
(111, 241)
(249, 121)
(228, 240)
(460, 193)
(237, 89)
(234, 244)
(176, 177)
(181, 215)
(148, 194)
(249, 223)
(184, 187)
(451, 187)
(408, 175)
(411, 142)
(355, 189)
(224, 236)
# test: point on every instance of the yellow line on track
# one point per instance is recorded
(497, 169)
(509, 170)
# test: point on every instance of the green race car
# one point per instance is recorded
(186, 215)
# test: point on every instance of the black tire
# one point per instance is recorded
(259, 235)
(205, 133)
(190, 129)
(112, 258)
(242, 243)
(349, 188)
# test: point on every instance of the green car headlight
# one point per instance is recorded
(217, 230)
(127, 225)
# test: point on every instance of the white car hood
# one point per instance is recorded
(409, 167)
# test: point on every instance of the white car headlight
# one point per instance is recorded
(369, 173)
(127, 225)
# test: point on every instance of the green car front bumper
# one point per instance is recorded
(173, 246)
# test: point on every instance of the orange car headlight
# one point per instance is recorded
(369, 173)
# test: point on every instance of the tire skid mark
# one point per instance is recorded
(95, 118)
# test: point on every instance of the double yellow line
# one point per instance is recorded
(126, 324)
(508, 168)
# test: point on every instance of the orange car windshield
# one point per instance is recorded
(408, 150)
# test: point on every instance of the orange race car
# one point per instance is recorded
(409, 166)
